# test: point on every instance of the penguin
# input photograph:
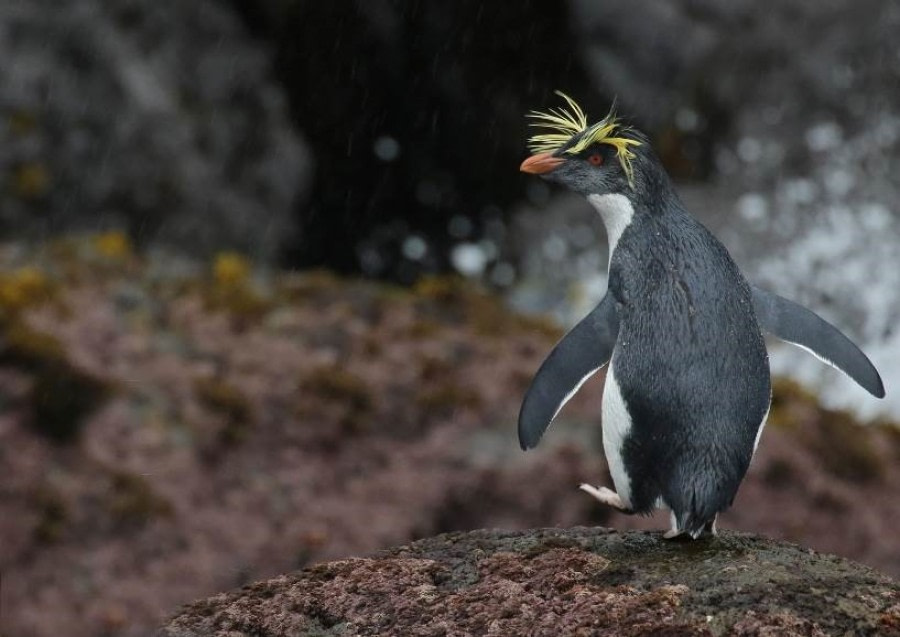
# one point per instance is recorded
(688, 387)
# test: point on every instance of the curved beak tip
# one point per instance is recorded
(540, 164)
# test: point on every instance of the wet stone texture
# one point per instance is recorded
(579, 581)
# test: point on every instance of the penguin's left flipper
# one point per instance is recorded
(582, 351)
(799, 326)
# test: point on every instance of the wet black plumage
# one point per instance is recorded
(689, 385)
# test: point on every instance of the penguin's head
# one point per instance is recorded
(596, 159)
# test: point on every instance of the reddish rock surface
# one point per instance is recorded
(576, 581)
(168, 431)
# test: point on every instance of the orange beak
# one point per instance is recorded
(540, 164)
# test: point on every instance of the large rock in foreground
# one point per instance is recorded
(580, 581)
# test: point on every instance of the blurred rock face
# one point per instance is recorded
(790, 115)
(157, 117)
(415, 113)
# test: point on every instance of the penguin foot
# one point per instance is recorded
(605, 495)
(673, 531)
(711, 526)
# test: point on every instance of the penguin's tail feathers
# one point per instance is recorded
(694, 515)
(693, 524)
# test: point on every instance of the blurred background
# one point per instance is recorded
(272, 287)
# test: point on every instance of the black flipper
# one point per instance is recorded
(799, 326)
(585, 349)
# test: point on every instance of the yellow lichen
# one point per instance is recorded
(447, 289)
(25, 287)
(114, 245)
(232, 288)
(791, 403)
(231, 269)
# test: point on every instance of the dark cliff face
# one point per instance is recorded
(415, 114)
(562, 582)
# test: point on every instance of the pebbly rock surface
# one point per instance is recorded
(579, 581)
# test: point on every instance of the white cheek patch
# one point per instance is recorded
(616, 212)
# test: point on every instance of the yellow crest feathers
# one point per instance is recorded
(565, 124)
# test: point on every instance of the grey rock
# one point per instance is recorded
(158, 117)
(579, 581)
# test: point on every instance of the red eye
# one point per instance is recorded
(596, 159)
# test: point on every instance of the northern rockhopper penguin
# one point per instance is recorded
(688, 386)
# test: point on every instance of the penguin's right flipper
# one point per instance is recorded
(799, 326)
(582, 351)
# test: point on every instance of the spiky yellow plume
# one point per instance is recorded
(566, 124)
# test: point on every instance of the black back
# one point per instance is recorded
(690, 361)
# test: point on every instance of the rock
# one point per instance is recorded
(578, 581)
(256, 425)
(158, 118)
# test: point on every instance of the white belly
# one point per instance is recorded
(616, 426)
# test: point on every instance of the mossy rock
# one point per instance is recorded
(231, 289)
(457, 300)
(62, 395)
(53, 515)
(847, 452)
(336, 384)
(24, 288)
(447, 397)
(230, 402)
(791, 403)
(61, 399)
(579, 581)
(132, 501)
